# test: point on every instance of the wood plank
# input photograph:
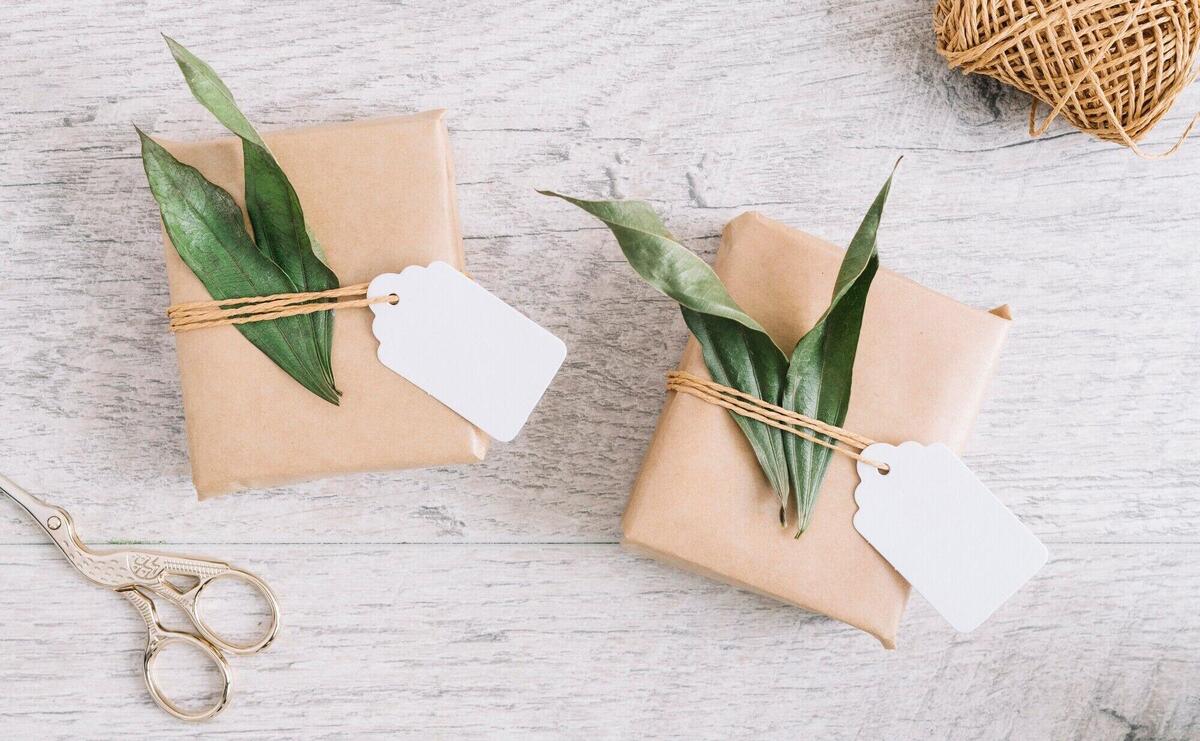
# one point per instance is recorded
(535, 640)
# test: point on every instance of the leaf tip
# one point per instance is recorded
(172, 44)
(146, 140)
(184, 59)
(328, 391)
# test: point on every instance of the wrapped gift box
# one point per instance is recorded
(701, 500)
(379, 195)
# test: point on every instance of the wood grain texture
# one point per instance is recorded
(581, 640)
(491, 600)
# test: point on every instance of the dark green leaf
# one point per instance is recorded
(206, 227)
(749, 361)
(274, 208)
(815, 381)
(661, 261)
(821, 369)
(280, 234)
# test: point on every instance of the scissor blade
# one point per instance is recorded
(39, 510)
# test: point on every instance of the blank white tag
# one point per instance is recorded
(464, 346)
(951, 538)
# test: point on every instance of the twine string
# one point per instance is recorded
(752, 407)
(203, 314)
(358, 289)
(1110, 67)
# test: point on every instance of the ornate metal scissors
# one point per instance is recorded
(138, 576)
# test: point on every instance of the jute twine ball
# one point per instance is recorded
(1112, 68)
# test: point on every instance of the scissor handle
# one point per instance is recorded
(206, 573)
(166, 638)
(159, 638)
(216, 638)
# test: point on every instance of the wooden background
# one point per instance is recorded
(493, 600)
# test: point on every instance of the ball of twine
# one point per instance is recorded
(1112, 68)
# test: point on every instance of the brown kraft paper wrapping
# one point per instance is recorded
(701, 500)
(379, 195)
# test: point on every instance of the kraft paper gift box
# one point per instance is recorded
(701, 500)
(379, 196)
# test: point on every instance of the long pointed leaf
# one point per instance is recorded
(280, 233)
(820, 372)
(211, 92)
(664, 263)
(736, 349)
(206, 227)
(275, 212)
(749, 361)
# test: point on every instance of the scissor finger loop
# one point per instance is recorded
(162, 639)
(193, 603)
(163, 575)
(157, 639)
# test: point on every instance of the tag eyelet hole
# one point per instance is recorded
(393, 299)
(884, 470)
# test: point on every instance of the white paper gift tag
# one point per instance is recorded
(464, 346)
(940, 527)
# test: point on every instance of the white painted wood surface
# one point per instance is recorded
(493, 600)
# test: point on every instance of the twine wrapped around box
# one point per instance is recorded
(1113, 68)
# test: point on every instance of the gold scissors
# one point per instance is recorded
(138, 576)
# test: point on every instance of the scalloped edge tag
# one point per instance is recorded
(944, 531)
(464, 346)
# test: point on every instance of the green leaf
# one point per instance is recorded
(736, 349)
(211, 92)
(820, 371)
(271, 201)
(661, 261)
(749, 361)
(816, 379)
(206, 227)
(280, 233)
